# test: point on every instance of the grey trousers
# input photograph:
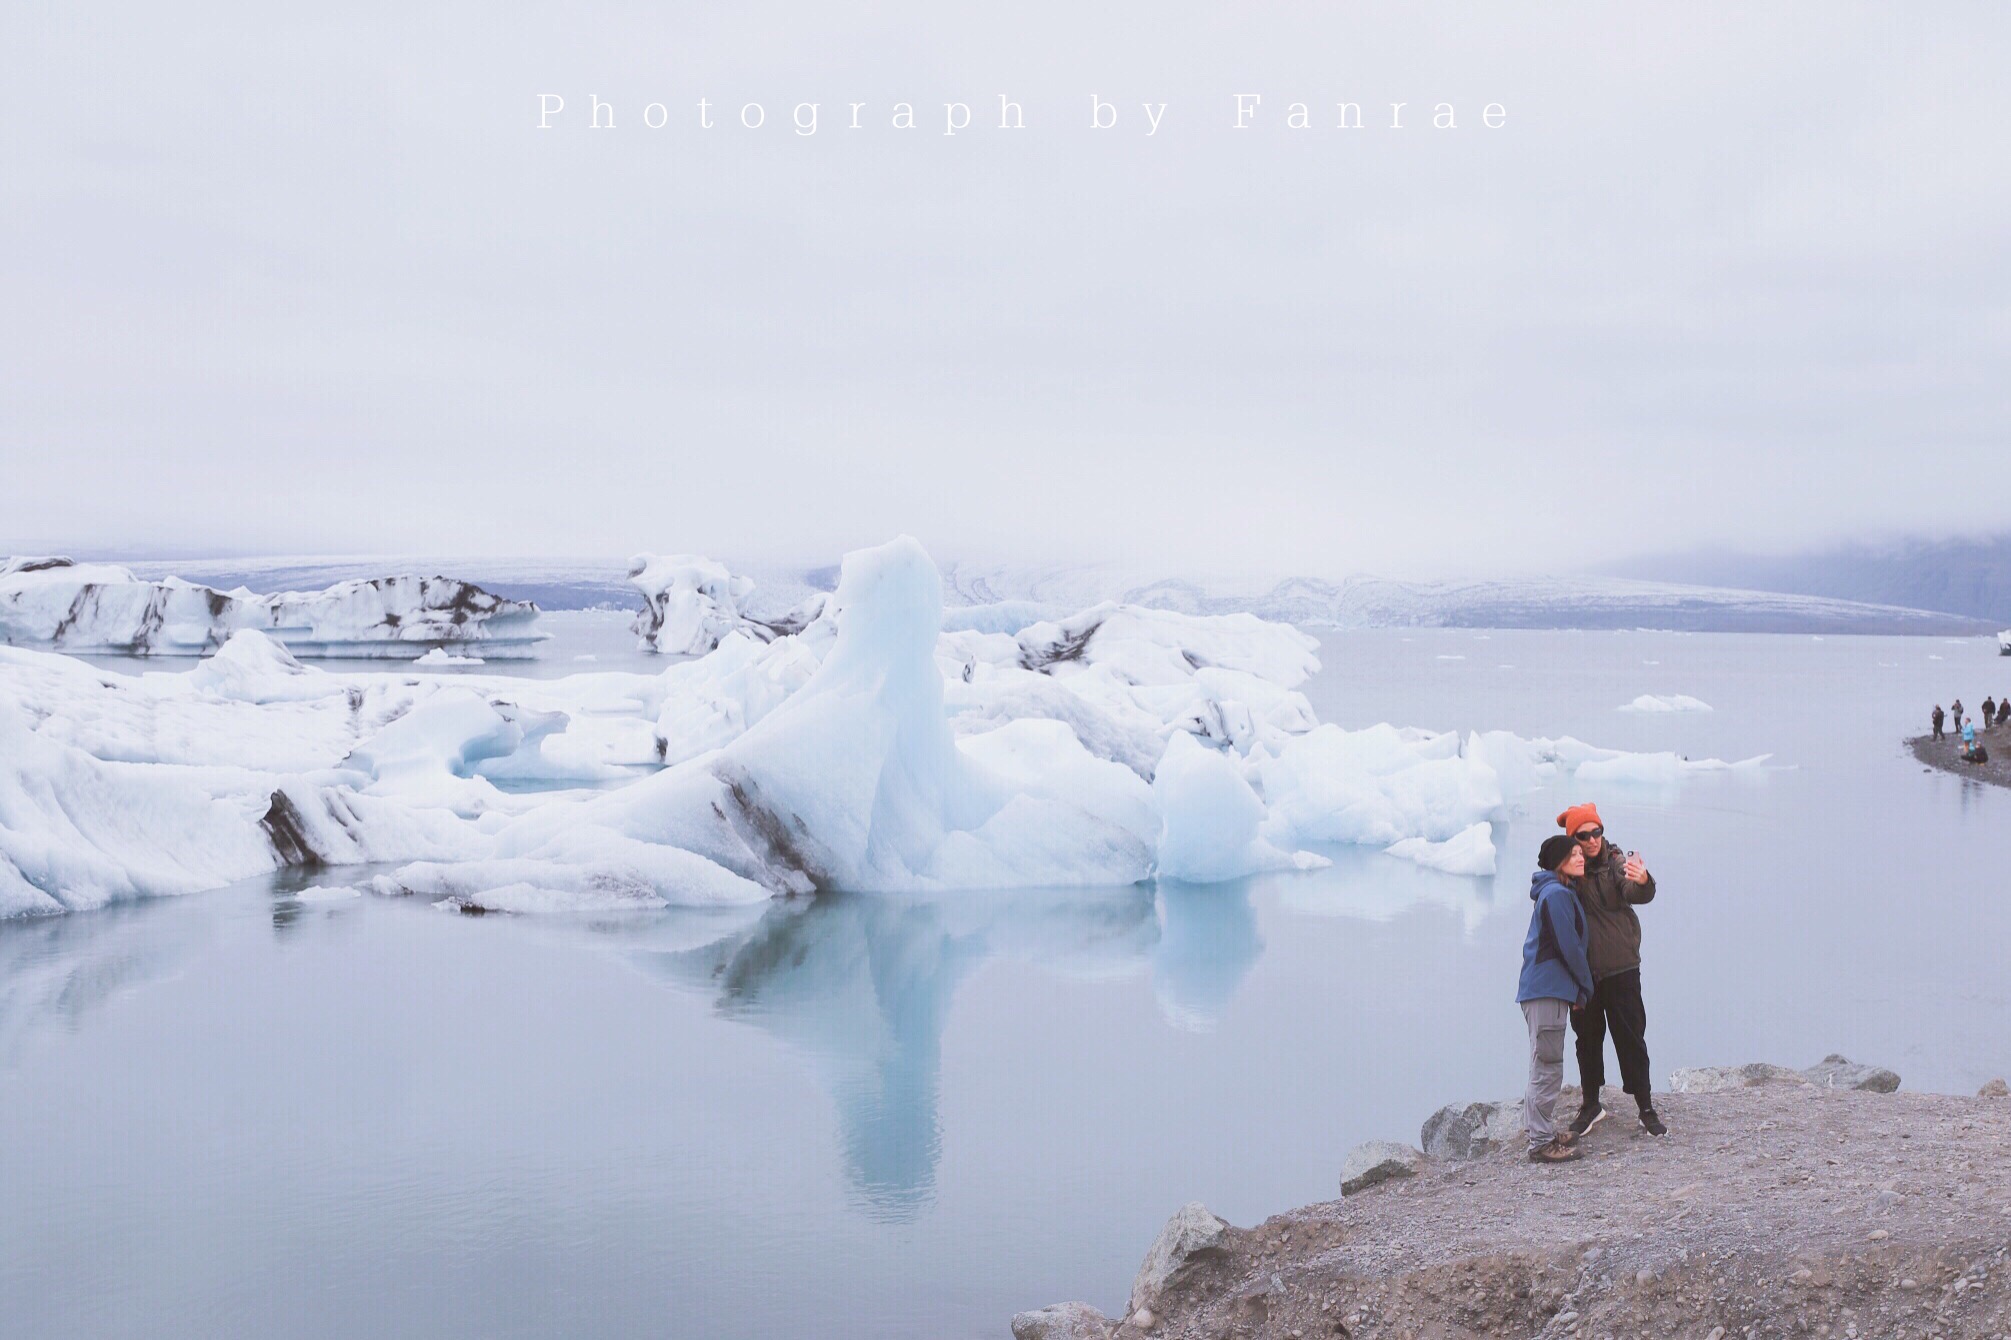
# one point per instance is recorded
(1547, 1020)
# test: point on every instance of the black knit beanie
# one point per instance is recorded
(1554, 852)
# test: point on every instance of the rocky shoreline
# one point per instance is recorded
(1946, 755)
(1818, 1202)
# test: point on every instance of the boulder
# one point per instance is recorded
(1994, 1089)
(1377, 1161)
(1061, 1321)
(1191, 1234)
(1467, 1131)
(1837, 1072)
(1720, 1078)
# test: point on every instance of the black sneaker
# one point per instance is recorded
(1652, 1123)
(1588, 1116)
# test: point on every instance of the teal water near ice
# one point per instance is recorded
(244, 1113)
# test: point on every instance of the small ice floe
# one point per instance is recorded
(1675, 702)
(1468, 852)
(1450, 656)
(441, 656)
(586, 656)
(333, 893)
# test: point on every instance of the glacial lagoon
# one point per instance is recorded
(255, 1112)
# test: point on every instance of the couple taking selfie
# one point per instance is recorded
(1581, 962)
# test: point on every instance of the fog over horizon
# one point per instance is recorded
(284, 285)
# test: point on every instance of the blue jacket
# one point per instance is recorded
(1553, 955)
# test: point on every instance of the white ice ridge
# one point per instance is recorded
(103, 608)
(691, 603)
(1679, 702)
(870, 750)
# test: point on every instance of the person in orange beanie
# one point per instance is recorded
(1609, 891)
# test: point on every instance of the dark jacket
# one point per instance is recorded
(1614, 932)
(1553, 953)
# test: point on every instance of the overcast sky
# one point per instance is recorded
(284, 284)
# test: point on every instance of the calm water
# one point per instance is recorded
(897, 1117)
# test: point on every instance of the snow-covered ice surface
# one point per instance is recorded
(862, 747)
(106, 608)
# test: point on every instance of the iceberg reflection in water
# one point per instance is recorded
(57, 971)
(862, 984)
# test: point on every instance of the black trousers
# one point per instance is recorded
(1616, 1008)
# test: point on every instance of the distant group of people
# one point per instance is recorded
(1581, 965)
(1993, 714)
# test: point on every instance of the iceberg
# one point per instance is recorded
(102, 608)
(691, 604)
(867, 748)
(1467, 852)
(1679, 702)
(77, 832)
(1211, 820)
(857, 781)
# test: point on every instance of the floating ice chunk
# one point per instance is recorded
(1662, 769)
(1678, 702)
(441, 656)
(1468, 852)
(101, 607)
(77, 833)
(1152, 646)
(691, 603)
(332, 893)
(252, 668)
(1374, 786)
(1210, 819)
(856, 781)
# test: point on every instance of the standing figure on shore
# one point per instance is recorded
(1556, 979)
(1937, 721)
(1609, 891)
(1989, 713)
(2004, 709)
(1955, 715)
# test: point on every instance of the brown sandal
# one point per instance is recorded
(1554, 1152)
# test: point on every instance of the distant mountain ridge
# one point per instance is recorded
(1595, 603)
(1966, 576)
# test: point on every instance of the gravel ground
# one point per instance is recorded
(1946, 755)
(1779, 1210)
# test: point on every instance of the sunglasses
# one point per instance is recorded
(1588, 834)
